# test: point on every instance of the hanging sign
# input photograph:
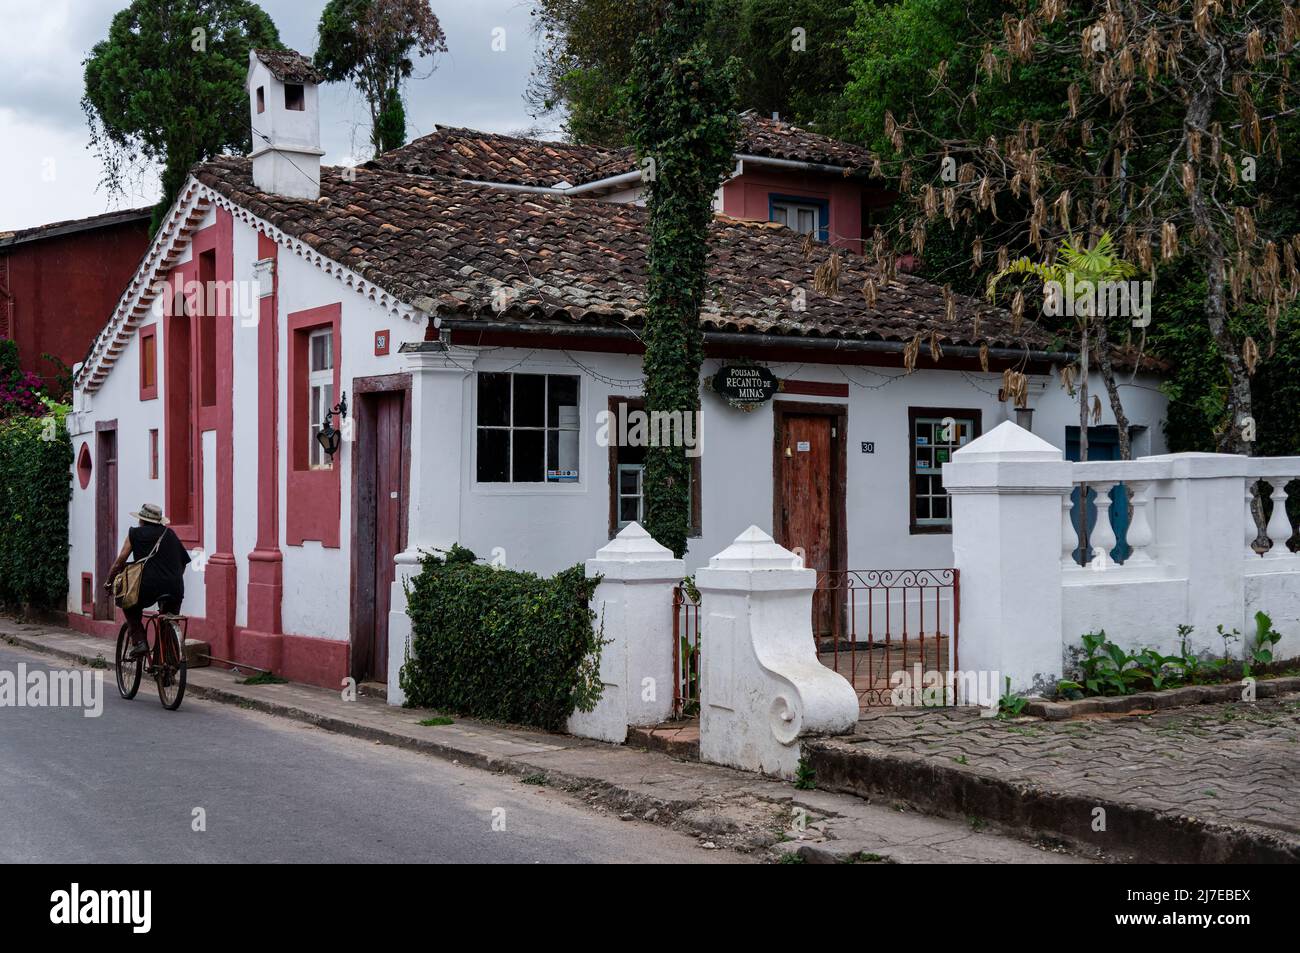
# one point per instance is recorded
(745, 386)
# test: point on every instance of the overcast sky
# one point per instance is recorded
(48, 174)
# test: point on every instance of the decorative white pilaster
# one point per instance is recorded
(1007, 488)
(438, 427)
(762, 687)
(633, 606)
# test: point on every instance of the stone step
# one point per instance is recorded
(678, 739)
(196, 653)
(374, 689)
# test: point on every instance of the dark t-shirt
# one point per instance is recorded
(164, 574)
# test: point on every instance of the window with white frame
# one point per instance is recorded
(804, 218)
(936, 435)
(527, 428)
(630, 494)
(320, 392)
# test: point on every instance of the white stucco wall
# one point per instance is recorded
(549, 527)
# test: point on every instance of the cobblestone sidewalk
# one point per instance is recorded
(1228, 764)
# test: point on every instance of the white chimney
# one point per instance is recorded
(284, 105)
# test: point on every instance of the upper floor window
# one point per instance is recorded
(805, 216)
(320, 389)
(294, 98)
(527, 428)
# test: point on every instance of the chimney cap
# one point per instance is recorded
(288, 66)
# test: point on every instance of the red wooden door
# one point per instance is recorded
(389, 493)
(106, 539)
(807, 501)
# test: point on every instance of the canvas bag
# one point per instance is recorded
(126, 587)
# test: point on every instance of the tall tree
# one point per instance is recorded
(791, 56)
(374, 44)
(167, 84)
(1165, 125)
(684, 126)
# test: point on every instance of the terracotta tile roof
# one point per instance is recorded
(289, 66)
(446, 247)
(777, 139)
(491, 157)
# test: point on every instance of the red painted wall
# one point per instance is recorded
(746, 196)
(62, 288)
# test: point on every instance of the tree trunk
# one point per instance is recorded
(1213, 254)
(1112, 390)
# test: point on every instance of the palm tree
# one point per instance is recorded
(1075, 268)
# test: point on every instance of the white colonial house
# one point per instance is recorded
(476, 299)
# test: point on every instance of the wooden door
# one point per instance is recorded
(389, 493)
(379, 498)
(809, 499)
(106, 538)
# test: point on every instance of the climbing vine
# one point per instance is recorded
(684, 129)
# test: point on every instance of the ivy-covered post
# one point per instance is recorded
(685, 130)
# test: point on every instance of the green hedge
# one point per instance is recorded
(499, 644)
(35, 487)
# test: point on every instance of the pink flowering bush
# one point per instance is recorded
(20, 395)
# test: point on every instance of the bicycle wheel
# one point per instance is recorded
(128, 669)
(171, 665)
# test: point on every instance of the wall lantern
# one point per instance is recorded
(328, 436)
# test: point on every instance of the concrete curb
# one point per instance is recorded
(1132, 831)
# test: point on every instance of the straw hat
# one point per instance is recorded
(149, 513)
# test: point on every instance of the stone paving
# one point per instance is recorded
(1235, 763)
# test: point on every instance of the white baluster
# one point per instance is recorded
(1139, 530)
(1069, 535)
(1103, 539)
(1279, 526)
(1252, 528)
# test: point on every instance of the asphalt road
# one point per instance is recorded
(124, 787)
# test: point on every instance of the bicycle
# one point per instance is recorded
(165, 660)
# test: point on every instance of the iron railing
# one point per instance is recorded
(686, 653)
(889, 621)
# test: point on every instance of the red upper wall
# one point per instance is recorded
(59, 284)
(849, 201)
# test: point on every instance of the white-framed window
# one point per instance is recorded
(320, 392)
(527, 428)
(935, 437)
(629, 494)
(802, 217)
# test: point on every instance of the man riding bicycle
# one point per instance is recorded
(163, 579)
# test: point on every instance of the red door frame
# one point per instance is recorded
(362, 627)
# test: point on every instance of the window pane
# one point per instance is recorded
(629, 509)
(627, 482)
(562, 402)
(807, 220)
(780, 214)
(494, 400)
(322, 357)
(526, 464)
(562, 451)
(530, 399)
(493, 456)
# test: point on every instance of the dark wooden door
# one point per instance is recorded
(806, 511)
(389, 493)
(106, 539)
